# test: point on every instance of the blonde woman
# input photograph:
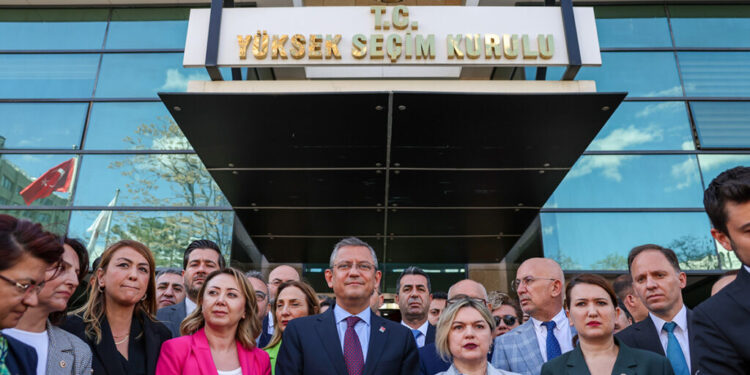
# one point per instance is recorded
(219, 335)
(117, 321)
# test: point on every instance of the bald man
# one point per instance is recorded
(540, 286)
(430, 362)
(279, 275)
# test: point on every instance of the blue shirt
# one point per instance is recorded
(362, 328)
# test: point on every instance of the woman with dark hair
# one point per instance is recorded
(26, 252)
(294, 299)
(58, 351)
(591, 305)
(117, 322)
(219, 335)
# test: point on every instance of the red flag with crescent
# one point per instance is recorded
(58, 178)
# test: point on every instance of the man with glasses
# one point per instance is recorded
(540, 286)
(260, 286)
(349, 338)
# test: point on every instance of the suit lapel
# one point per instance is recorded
(528, 347)
(153, 344)
(202, 353)
(625, 363)
(325, 326)
(60, 351)
(739, 289)
(430, 337)
(648, 338)
(378, 336)
(576, 364)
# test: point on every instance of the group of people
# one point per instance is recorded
(212, 319)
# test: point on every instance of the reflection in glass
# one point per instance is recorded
(603, 181)
(48, 76)
(147, 180)
(646, 126)
(716, 73)
(602, 241)
(632, 26)
(19, 171)
(167, 234)
(650, 74)
(727, 259)
(710, 26)
(722, 124)
(143, 75)
(55, 221)
(148, 28)
(133, 126)
(52, 125)
(712, 165)
(45, 29)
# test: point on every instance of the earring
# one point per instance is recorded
(143, 298)
(101, 289)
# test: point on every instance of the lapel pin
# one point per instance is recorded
(62, 364)
(382, 329)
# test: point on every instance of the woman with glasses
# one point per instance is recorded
(117, 322)
(464, 337)
(294, 299)
(507, 312)
(590, 303)
(58, 351)
(26, 253)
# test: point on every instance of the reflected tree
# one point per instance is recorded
(695, 253)
(567, 263)
(612, 261)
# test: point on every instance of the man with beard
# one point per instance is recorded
(201, 258)
(413, 298)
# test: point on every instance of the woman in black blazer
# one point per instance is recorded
(117, 321)
(590, 303)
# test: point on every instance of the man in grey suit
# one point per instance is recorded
(547, 334)
(201, 258)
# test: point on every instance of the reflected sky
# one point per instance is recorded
(633, 32)
(47, 76)
(128, 126)
(649, 74)
(722, 124)
(53, 125)
(38, 29)
(147, 34)
(603, 240)
(144, 75)
(710, 26)
(713, 165)
(716, 73)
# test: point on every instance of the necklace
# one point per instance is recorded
(123, 340)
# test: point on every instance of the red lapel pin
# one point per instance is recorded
(382, 329)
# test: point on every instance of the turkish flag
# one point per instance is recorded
(59, 178)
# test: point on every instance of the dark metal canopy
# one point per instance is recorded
(423, 177)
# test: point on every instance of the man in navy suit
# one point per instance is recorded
(260, 286)
(722, 326)
(413, 297)
(348, 339)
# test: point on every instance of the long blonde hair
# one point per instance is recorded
(248, 328)
(95, 308)
(311, 299)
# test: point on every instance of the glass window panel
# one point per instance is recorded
(147, 180)
(45, 29)
(710, 26)
(55, 221)
(650, 74)
(713, 164)
(442, 275)
(601, 241)
(601, 181)
(133, 126)
(42, 125)
(19, 171)
(126, 75)
(722, 124)
(166, 233)
(148, 28)
(727, 259)
(716, 73)
(632, 26)
(646, 126)
(48, 76)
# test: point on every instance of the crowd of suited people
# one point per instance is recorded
(208, 318)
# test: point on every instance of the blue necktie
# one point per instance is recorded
(674, 351)
(553, 346)
(416, 333)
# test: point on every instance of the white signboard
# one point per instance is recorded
(400, 35)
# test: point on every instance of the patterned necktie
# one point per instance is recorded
(553, 346)
(355, 361)
(3, 354)
(674, 351)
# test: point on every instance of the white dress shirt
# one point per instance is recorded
(747, 268)
(362, 328)
(680, 332)
(190, 306)
(561, 331)
(270, 323)
(423, 329)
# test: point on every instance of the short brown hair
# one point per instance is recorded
(311, 299)
(668, 253)
(588, 278)
(20, 236)
(498, 299)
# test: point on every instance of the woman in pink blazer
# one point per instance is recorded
(219, 335)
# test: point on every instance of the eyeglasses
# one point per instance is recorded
(462, 297)
(260, 296)
(508, 319)
(526, 281)
(346, 266)
(24, 288)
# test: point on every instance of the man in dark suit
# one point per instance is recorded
(348, 339)
(201, 258)
(722, 323)
(413, 297)
(658, 282)
(260, 285)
